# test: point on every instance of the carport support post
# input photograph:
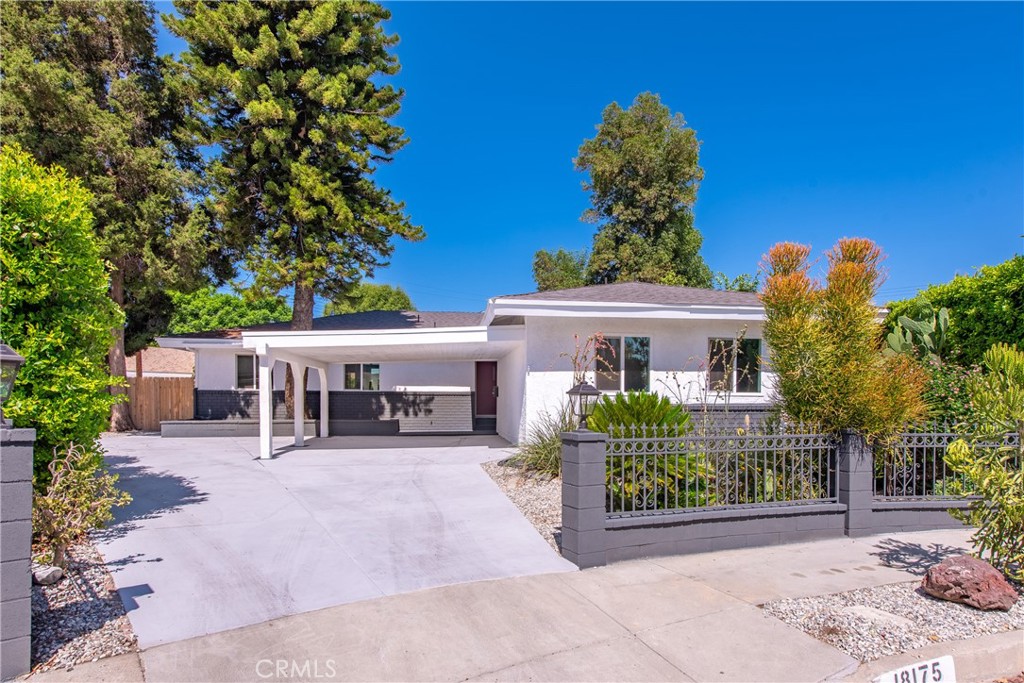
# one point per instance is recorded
(324, 404)
(583, 498)
(299, 396)
(266, 411)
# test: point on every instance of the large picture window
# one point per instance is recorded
(362, 376)
(624, 364)
(246, 376)
(734, 365)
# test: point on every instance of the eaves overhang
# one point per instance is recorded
(598, 309)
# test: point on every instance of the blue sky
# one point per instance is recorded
(902, 122)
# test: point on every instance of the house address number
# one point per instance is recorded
(939, 670)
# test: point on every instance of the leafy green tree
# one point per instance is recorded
(744, 282)
(560, 270)
(644, 172)
(984, 309)
(295, 96)
(826, 342)
(208, 309)
(54, 306)
(367, 296)
(83, 88)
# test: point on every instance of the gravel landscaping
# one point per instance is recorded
(79, 618)
(870, 623)
(538, 497)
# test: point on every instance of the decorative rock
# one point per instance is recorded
(46, 576)
(970, 581)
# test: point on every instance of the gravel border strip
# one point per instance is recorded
(539, 498)
(79, 618)
(870, 623)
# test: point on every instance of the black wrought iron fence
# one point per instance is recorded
(914, 466)
(657, 469)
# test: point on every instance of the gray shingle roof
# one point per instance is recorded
(644, 293)
(367, 320)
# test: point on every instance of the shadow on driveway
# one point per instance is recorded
(153, 493)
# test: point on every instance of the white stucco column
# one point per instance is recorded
(266, 411)
(299, 396)
(324, 404)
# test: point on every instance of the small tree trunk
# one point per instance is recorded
(302, 319)
(59, 555)
(120, 416)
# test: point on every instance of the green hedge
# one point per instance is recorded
(984, 309)
(54, 306)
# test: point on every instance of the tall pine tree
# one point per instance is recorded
(644, 172)
(295, 99)
(84, 89)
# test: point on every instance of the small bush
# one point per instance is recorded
(615, 415)
(643, 477)
(78, 499)
(541, 450)
(995, 471)
(947, 393)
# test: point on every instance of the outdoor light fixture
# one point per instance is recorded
(582, 399)
(9, 364)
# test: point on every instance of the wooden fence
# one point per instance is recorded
(152, 399)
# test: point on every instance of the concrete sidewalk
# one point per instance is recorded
(663, 619)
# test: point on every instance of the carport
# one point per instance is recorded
(317, 349)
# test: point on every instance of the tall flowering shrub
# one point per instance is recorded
(826, 342)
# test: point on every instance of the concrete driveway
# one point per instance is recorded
(216, 538)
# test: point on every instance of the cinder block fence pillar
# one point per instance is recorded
(856, 482)
(15, 550)
(583, 498)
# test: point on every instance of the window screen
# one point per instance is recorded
(636, 364)
(720, 364)
(352, 376)
(245, 372)
(606, 367)
(748, 366)
(371, 377)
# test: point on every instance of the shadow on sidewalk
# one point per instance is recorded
(914, 558)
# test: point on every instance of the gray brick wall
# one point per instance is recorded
(354, 412)
(731, 417)
(591, 538)
(15, 550)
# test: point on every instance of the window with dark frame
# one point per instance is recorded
(362, 376)
(246, 376)
(624, 364)
(734, 365)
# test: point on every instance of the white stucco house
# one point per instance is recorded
(397, 372)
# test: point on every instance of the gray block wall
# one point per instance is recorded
(353, 412)
(15, 550)
(591, 537)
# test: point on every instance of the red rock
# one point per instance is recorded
(970, 581)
